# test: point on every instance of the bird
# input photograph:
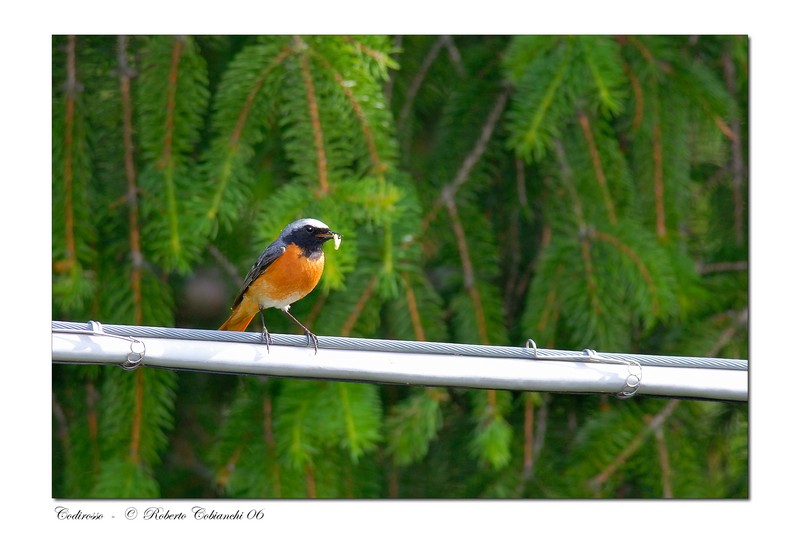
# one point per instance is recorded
(288, 269)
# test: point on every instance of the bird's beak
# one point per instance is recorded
(337, 237)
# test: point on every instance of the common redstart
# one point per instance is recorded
(287, 270)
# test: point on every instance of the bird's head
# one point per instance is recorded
(309, 234)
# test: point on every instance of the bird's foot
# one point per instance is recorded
(265, 338)
(312, 340)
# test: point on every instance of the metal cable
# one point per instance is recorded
(401, 346)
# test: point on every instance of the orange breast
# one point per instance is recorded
(289, 278)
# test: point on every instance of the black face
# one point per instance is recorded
(308, 234)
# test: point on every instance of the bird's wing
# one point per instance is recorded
(270, 254)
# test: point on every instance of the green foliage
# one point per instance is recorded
(413, 424)
(74, 237)
(171, 100)
(582, 191)
(492, 439)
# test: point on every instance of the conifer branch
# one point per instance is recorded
(269, 439)
(586, 255)
(455, 55)
(388, 88)
(638, 98)
(737, 166)
(132, 196)
(534, 431)
(167, 161)
(550, 308)
(491, 402)
(358, 308)
(541, 428)
(62, 426)
(528, 435)
(413, 310)
(137, 410)
(244, 114)
(517, 280)
(640, 46)
(449, 191)
(236, 133)
(380, 57)
(316, 122)
(597, 165)
(71, 90)
(534, 128)
(640, 265)
(525, 279)
(591, 281)
(513, 261)
(73, 230)
(378, 165)
(311, 484)
(739, 321)
(416, 83)
(316, 309)
(369, 137)
(468, 269)
(655, 422)
(224, 473)
(393, 482)
(349, 422)
(663, 461)
(724, 128)
(566, 178)
(91, 422)
(658, 182)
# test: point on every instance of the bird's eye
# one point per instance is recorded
(310, 229)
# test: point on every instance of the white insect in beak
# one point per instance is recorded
(337, 240)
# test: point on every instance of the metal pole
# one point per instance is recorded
(407, 367)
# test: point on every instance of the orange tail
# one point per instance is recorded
(240, 318)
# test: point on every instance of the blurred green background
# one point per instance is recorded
(583, 191)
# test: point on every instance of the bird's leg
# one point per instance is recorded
(264, 333)
(312, 339)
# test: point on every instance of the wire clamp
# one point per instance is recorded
(137, 348)
(531, 345)
(634, 379)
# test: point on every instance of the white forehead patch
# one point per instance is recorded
(303, 222)
(308, 222)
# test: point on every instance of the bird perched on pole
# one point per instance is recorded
(288, 269)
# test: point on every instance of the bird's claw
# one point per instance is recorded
(265, 338)
(312, 339)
